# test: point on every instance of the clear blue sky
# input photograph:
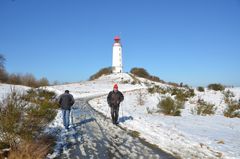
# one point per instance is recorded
(191, 41)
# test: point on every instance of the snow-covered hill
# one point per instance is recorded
(187, 136)
(97, 87)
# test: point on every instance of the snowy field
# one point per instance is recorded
(187, 136)
(6, 89)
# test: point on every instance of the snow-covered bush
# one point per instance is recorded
(141, 97)
(135, 80)
(204, 108)
(200, 89)
(216, 87)
(182, 94)
(11, 123)
(23, 117)
(233, 109)
(149, 111)
(228, 95)
(157, 89)
(125, 82)
(169, 106)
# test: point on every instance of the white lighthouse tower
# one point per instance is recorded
(117, 66)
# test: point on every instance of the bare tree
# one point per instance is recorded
(3, 73)
(29, 80)
(2, 61)
(14, 79)
(43, 82)
(141, 97)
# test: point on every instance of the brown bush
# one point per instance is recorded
(26, 80)
(173, 84)
(103, 71)
(30, 150)
(3, 76)
(233, 109)
(43, 82)
(141, 72)
(29, 80)
(216, 87)
(157, 89)
(15, 79)
(200, 89)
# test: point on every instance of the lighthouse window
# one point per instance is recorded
(119, 49)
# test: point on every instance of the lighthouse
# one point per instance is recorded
(117, 66)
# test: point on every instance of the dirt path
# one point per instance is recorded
(94, 136)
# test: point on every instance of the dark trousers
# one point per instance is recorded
(114, 113)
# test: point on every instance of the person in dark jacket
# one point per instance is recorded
(114, 99)
(66, 101)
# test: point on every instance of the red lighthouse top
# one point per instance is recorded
(117, 38)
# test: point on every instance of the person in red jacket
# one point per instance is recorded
(114, 99)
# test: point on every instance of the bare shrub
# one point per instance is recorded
(157, 89)
(30, 150)
(141, 97)
(3, 75)
(2, 61)
(43, 82)
(29, 80)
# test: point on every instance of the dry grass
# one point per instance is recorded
(30, 151)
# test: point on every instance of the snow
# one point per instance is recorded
(6, 89)
(187, 136)
(56, 128)
(101, 86)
